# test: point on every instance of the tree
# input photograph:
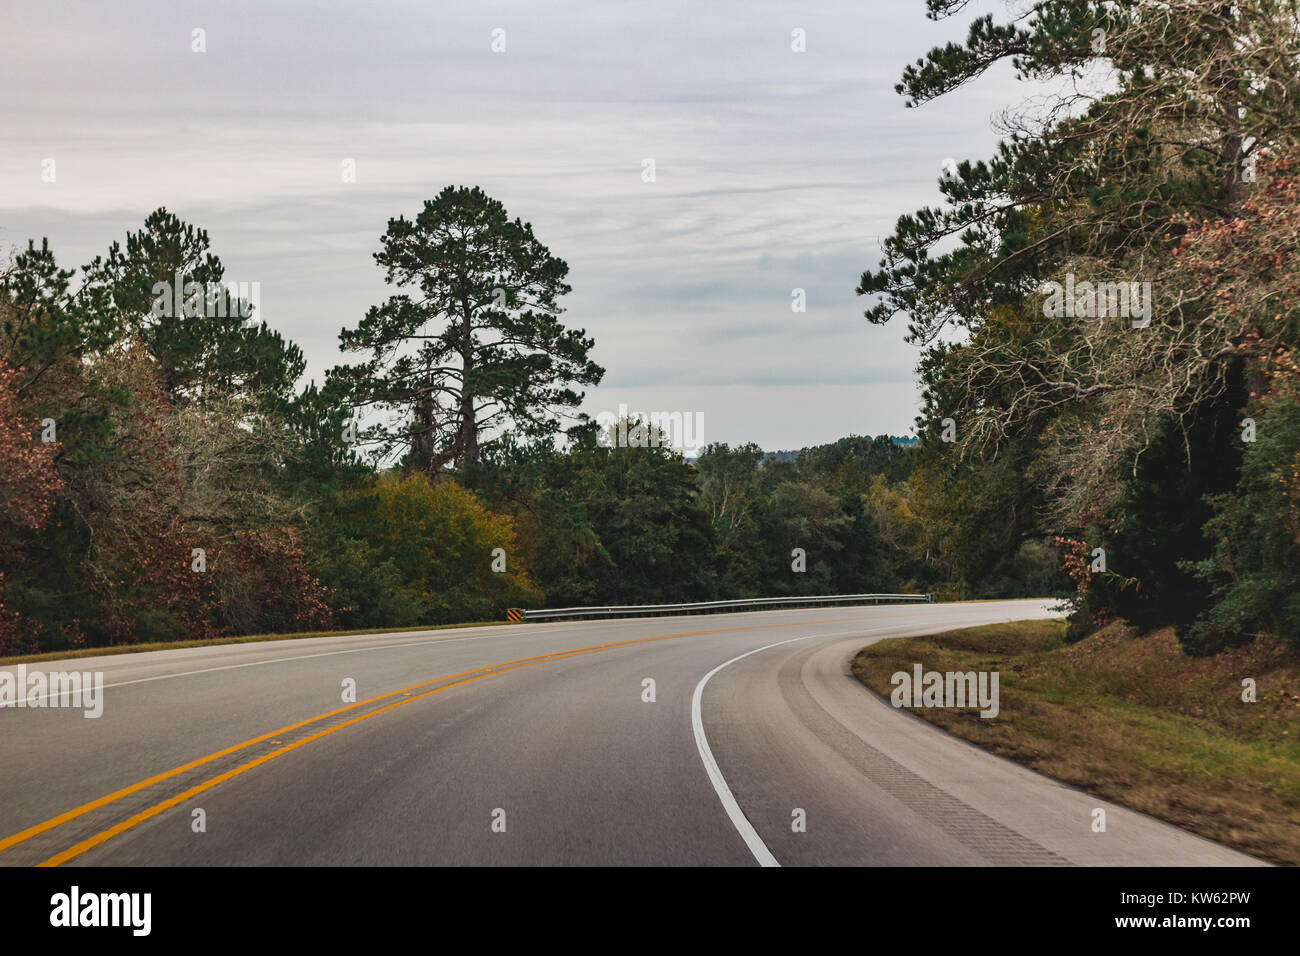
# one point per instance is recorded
(650, 540)
(851, 462)
(123, 546)
(407, 550)
(1103, 182)
(1254, 564)
(476, 344)
(41, 333)
(263, 584)
(154, 462)
(1099, 185)
(29, 485)
(728, 480)
(1248, 271)
(166, 289)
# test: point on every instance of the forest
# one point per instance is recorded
(167, 474)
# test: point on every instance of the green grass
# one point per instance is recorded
(1129, 717)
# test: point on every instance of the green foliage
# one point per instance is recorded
(850, 463)
(653, 541)
(1253, 570)
(196, 490)
(761, 515)
(730, 491)
(475, 345)
(1085, 432)
(168, 291)
(170, 438)
(1156, 532)
(408, 551)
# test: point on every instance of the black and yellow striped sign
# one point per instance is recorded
(515, 614)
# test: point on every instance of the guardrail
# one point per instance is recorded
(519, 614)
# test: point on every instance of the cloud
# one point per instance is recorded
(775, 170)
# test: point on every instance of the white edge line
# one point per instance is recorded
(746, 830)
(738, 819)
(276, 660)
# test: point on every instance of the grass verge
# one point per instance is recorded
(1129, 717)
(116, 649)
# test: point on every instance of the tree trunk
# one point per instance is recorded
(467, 434)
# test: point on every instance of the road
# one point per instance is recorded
(533, 744)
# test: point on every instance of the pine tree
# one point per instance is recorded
(475, 344)
(166, 289)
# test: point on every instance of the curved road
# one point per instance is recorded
(542, 729)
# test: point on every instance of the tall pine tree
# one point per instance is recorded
(475, 344)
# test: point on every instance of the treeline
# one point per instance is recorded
(1110, 307)
(1108, 310)
(164, 475)
(603, 524)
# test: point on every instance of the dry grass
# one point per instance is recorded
(1129, 717)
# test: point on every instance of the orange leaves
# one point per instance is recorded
(29, 483)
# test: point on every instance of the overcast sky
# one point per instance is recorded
(775, 170)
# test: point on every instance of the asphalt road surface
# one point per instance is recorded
(533, 744)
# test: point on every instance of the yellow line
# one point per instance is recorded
(62, 818)
(105, 835)
(486, 670)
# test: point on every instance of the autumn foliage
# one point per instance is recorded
(29, 484)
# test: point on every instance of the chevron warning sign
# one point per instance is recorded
(515, 614)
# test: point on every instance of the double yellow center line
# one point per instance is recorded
(405, 696)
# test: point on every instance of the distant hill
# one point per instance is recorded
(781, 456)
(902, 441)
(836, 449)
